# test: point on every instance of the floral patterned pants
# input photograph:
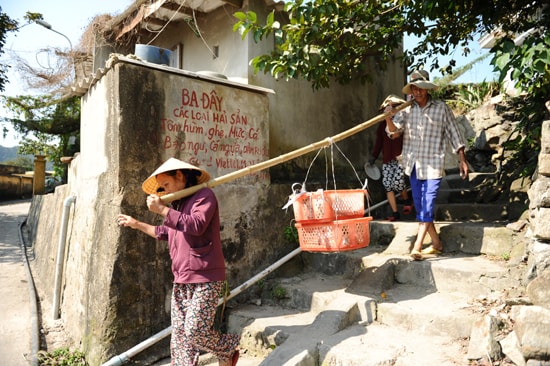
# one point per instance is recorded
(393, 177)
(193, 312)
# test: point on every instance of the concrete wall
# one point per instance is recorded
(298, 114)
(117, 281)
(14, 183)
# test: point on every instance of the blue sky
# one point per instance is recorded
(71, 17)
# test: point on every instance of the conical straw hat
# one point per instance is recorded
(151, 186)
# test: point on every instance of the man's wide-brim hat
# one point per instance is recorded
(391, 99)
(151, 186)
(421, 79)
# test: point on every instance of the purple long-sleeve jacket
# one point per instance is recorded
(192, 229)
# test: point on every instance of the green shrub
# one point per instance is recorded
(291, 234)
(279, 292)
(62, 357)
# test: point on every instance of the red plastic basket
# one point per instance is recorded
(324, 206)
(335, 236)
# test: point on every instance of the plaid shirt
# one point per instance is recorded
(426, 131)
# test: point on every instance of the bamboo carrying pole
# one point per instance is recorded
(125, 357)
(281, 158)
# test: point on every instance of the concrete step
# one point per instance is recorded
(381, 345)
(457, 195)
(452, 179)
(460, 205)
(476, 212)
(397, 338)
(424, 307)
(492, 239)
(372, 345)
(290, 337)
(471, 276)
(376, 306)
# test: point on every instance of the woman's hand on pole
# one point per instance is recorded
(155, 204)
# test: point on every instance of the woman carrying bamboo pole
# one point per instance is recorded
(192, 228)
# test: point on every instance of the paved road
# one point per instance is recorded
(15, 308)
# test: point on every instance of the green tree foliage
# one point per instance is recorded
(49, 124)
(53, 123)
(528, 65)
(333, 40)
(326, 39)
(6, 25)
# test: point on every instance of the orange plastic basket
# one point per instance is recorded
(334, 236)
(324, 206)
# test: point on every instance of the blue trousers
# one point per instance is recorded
(424, 193)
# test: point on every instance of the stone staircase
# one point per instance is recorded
(376, 306)
(390, 311)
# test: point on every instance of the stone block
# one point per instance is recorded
(498, 241)
(482, 339)
(510, 347)
(538, 193)
(532, 326)
(541, 227)
(538, 290)
(544, 164)
(545, 138)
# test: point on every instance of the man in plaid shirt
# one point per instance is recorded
(427, 126)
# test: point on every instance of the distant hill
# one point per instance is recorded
(10, 153)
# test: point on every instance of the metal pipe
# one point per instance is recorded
(125, 357)
(61, 254)
(379, 204)
(48, 26)
(35, 333)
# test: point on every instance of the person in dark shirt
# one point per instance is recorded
(393, 176)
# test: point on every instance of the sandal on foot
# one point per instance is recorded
(431, 250)
(407, 210)
(416, 255)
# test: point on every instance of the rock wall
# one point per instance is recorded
(532, 323)
(529, 341)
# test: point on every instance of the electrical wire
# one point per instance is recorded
(168, 22)
(200, 34)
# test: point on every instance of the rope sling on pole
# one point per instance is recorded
(281, 158)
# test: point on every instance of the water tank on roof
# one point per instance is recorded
(153, 54)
